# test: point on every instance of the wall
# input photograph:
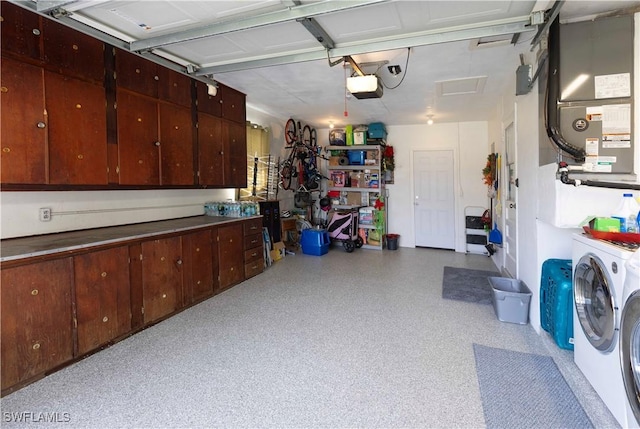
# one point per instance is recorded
(468, 164)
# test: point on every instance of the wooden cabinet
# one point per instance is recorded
(55, 311)
(73, 53)
(233, 104)
(161, 277)
(77, 131)
(207, 103)
(210, 151)
(234, 137)
(21, 32)
(230, 245)
(138, 141)
(37, 319)
(176, 145)
(136, 74)
(253, 248)
(200, 262)
(24, 123)
(102, 293)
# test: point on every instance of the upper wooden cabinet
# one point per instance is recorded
(24, 121)
(176, 145)
(21, 32)
(146, 77)
(207, 103)
(233, 104)
(77, 131)
(234, 137)
(37, 319)
(72, 53)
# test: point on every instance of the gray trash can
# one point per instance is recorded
(511, 299)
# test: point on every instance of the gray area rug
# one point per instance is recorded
(524, 390)
(464, 284)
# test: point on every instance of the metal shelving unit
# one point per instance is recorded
(368, 194)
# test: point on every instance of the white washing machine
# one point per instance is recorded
(598, 280)
(630, 341)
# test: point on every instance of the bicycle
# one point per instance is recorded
(301, 163)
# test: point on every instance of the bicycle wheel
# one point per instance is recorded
(306, 135)
(286, 173)
(314, 138)
(290, 132)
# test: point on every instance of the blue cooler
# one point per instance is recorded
(556, 301)
(315, 241)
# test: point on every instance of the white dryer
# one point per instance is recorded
(630, 341)
(598, 280)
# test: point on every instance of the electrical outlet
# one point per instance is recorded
(45, 214)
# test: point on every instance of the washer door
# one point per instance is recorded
(630, 351)
(594, 302)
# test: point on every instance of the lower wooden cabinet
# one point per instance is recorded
(161, 277)
(201, 262)
(54, 311)
(103, 297)
(37, 319)
(253, 248)
(231, 244)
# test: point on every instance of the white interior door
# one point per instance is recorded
(509, 171)
(434, 200)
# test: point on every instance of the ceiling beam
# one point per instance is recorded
(290, 14)
(423, 38)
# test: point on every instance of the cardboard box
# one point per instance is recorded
(353, 198)
(606, 224)
(338, 177)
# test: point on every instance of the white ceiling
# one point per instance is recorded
(258, 47)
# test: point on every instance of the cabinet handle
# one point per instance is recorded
(105, 319)
(34, 292)
(221, 152)
(254, 254)
(164, 295)
(41, 124)
(254, 241)
(36, 346)
(156, 143)
(179, 262)
(104, 274)
(36, 32)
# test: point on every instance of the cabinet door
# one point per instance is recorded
(174, 87)
(235, 140)
(21, 31)
(138, 153)
(37, 319)
(231, 251)
(103, 304)
(233, 105)
(176, 145)
(199, 262)
(210, 151)
(161, 277)
(24, 123)
(211, 104)
(136, 73)
(73, 53)
(77, 131)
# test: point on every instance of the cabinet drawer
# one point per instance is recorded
(253, 268)
(253, 226)
(251, 241)
(253, 254)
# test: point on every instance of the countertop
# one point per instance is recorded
(26, 247)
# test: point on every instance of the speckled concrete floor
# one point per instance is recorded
(342, 340)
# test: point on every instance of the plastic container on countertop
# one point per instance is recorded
(627, 213)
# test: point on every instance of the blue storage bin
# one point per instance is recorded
(556, 301)
(356, 157)
(314, 241)
(377, 130)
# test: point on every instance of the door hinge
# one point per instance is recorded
(142, 310)
(141, 256)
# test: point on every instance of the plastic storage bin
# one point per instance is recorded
(511, 299)
(556, 301)
(356, 157)
(314, 241)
